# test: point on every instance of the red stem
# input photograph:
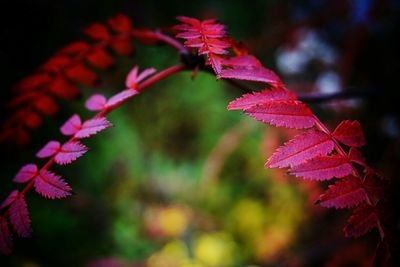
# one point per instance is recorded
(160, 36)
(147, 83)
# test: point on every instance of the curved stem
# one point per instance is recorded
(145, 84)
(158, 36)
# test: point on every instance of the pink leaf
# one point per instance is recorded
(5, 237)
(96, 103)
(207, 37)
(51, 186)
(215, 62)
(349, 133)
(133, 78)
(121, 97)
(71, 126)
(255, 98)
(302, 148)
(345, 193)
(256, 74)
(363, 220)
(19, 218)
(323, 168)
(92, 127)
(26, 173)
(290, 114)
(69, 152)
(49, 149)
(10, 199)
(144, 74)
(242, 61)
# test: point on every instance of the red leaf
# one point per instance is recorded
(81, 74)
(255, 98)
(51, 148)
(215, 62)
(5, 237)
(26, 173)
(69, 152)
(46, 105)
(349, 133)
(10, 199)
(100, 58)
(19, 218)
(256, 74)
(56, 63)
(290, 114)
(75, 48)
(96, 102)
(363, 220)
(242, 61)
(51, 186)
(300, 149)
(97, 31)
(122, 45)
(323, 168)
(207, 36)
(72, 125)
(121, 97)
(63, 89)
(92, 127)
(120, 23)
(33, 120)
(133, 79)
(33, 81)
(356, 156)
(345, 193)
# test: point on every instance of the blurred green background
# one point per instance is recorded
(179, 181)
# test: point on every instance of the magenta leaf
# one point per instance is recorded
(19, 218)
(215, 62)
(207, 37)
(26, 173)
(5, 237)
(96, 102)
(300, 149)
(255, 98)
(144, 74)
(121, 97)
(290, 114)
(242, 61)
(133, 78)
(10, 199)
(256, 74)
(92, 127)
(345, 193)
(71, 126)
(69, 152)
(363, 220)
(50, 185)
(323, 168)
(349, 133)
(49, 149)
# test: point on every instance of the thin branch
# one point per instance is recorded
(155, 78)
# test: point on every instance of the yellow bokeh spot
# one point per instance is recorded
(216, 249)
(173, 221)
(173, 254)
(248, 218)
